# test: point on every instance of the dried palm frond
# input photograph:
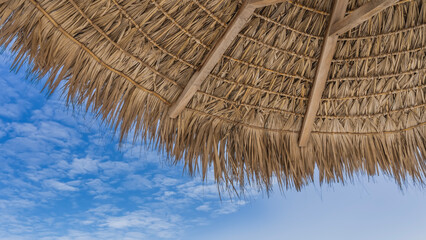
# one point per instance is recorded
(128, 61)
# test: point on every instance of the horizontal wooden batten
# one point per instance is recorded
(263, 3)
(239, 21)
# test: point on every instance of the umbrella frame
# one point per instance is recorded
(338, 25)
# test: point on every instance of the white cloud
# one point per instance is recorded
(83, 166)
(60, 185)
(137, 182)
(55, 110)
(141, 153)
(98, 187)
(111, 168)
(50, 132)
(164, 226)
(104, 209)
(229, 207)
(16, 203)
(38, 143)
(23, 129)
(197, 190)
(37, 175)
(14, 110)
(134, 236)
(164, 181)
(58, 133)
(2, 129)
(204, 208)
(169, 193)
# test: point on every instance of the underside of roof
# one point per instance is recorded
(129, 61)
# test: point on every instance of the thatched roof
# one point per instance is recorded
(129, 61)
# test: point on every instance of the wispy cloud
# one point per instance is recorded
(83, 166)
(60, 185)
(137, 182)
(205, 207)
(16, 203)
(62, 177)
(166, 226)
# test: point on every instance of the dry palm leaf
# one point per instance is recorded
(129, 61)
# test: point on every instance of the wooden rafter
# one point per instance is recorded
(360, 15)
(239, 21)
(338, 24)
(323, 68)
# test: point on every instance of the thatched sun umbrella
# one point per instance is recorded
(257, 89)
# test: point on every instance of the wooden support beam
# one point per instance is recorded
(328, 49)
(239, 21)
(338, 24)
(360, 15)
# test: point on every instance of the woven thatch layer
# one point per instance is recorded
(129, 60)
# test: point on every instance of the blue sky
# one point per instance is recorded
(63, 176)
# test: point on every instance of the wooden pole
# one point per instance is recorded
(338, 24)
(323, 68)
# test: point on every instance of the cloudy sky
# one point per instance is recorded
(64, 176)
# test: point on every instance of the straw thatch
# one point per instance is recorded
(128, 61)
